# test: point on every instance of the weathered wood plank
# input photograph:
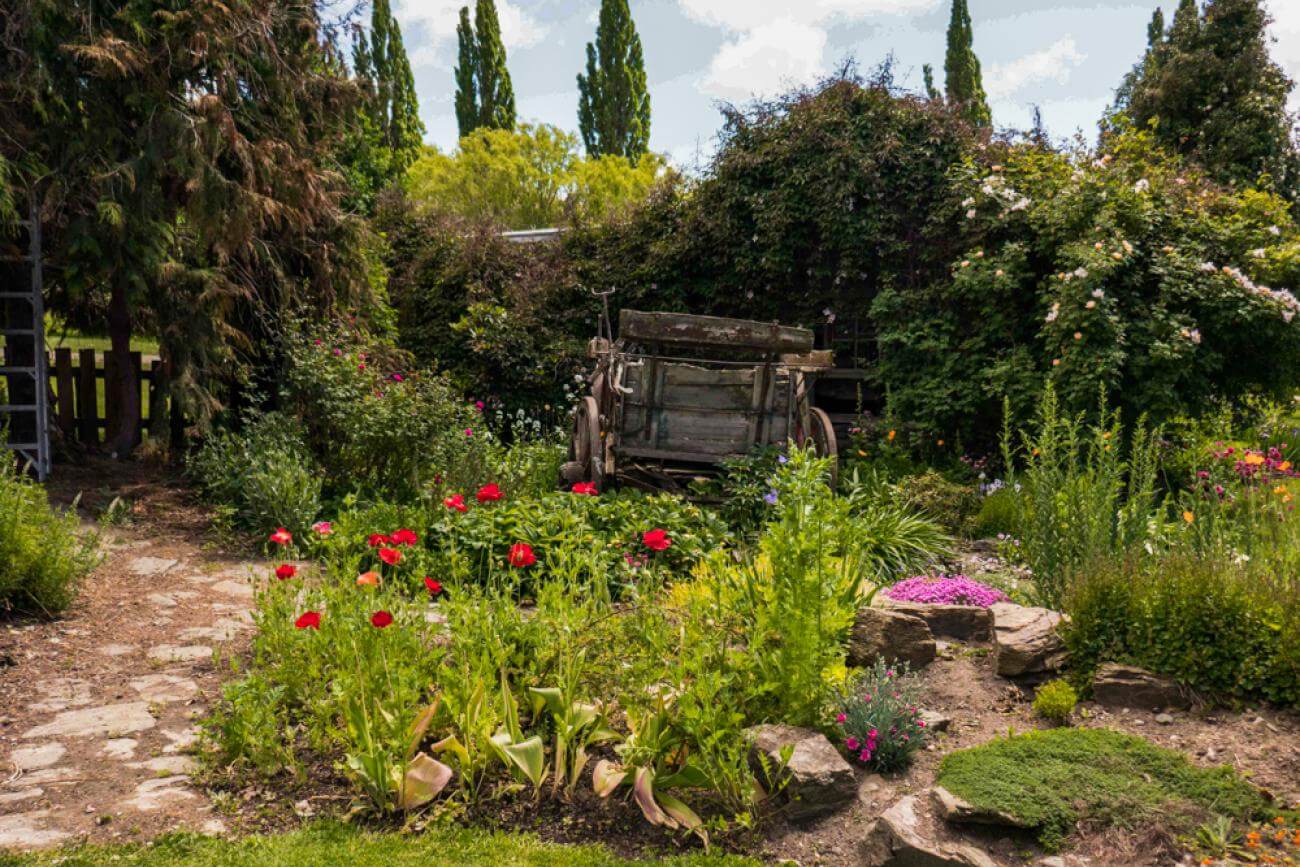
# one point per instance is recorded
(87, 399)
(64, 392)
(689, 330)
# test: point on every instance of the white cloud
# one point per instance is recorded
(1286, 50)
(433, 23)
(1054, 63)
(765, 59)
(746, 15)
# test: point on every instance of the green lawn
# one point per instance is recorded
(327, 843)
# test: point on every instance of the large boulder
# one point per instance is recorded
(1025, 640)
(894, 636)
(898, 839)
(818, 779)
(959, 622)
(1117, 685)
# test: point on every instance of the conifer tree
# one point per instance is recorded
(496, 95)
(613, 103)
(931, 92)
(1210, 90)
(466, 75)
(964, 81)
(380, 62)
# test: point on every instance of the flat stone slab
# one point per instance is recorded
(49, 776)
(39, 756)
(172, 765)
(224, 629)
(159, 688)
(180, 653)
(171, 598)
(238, 589)
(120, 748)
(898, 839)
(20, 796)
(61, 694)
(131, 716)
(1128, 686)
(959, 622)
(148, 567)
(117, 649)
(28, 831)
(153, 794)
(180, 741)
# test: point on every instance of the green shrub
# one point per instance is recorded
(1055, 701)
(44, 555)
(1216, 625)
(263, 472)
(997, 515)
(1052, 780)
(878, 717)
(954, 506)
(744, 490)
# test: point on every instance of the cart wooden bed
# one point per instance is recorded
(677, 394)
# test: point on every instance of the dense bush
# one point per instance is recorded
(1055, 701)
(43, 552)
(878, 717)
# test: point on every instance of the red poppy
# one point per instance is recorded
(309, 620)
(488, 493)
(434, 586)
(521, 555)
(586, 488)
(281, 536)
(391, 556)
(656, 540)
(404, 537)
(286, 570)
(380, 619)
(457, 502)
(374, 540)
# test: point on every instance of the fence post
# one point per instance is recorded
(156, 400)
(63, 392)
(87, 399)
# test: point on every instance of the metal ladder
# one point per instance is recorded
(25, 366)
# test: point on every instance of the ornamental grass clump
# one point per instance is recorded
(879, 723)
(946, 590)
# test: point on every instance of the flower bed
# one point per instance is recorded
(945, 590)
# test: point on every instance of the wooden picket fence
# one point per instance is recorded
(84, 411)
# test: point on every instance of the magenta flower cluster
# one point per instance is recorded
(946, 590)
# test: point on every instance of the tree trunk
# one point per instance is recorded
(120, 385)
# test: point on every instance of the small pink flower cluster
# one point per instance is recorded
(864, 748)
(946, 590)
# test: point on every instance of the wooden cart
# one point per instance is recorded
(677, 394)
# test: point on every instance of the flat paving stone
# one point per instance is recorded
(238, 589)
(152, 794)
(148, 567)
(120, 748)
(167, 765)
(180, 653)
(131, 716)
(159, 688)
(222, 630)
(117, 649)
(180, 741)
(28, 830)
(61, 694)
(49, 776)
(20, 796)
(39, 756)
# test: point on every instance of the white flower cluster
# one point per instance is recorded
(1282, 297)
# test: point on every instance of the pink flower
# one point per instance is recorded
(281, 536)
(865, 755)
(478, 405)
(840, 718)
(323, 528)
(586, 488)
(852, 744)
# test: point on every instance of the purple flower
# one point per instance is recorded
(946, 590)
(770, 498)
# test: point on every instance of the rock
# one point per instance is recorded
(42, 756)
(162, 688)
(119, 748)
(1129, 686)
(157, 793)
(1025, 640)
(935, 721)
(169, 765)
(959, 622)
(1164, 719)
(819, 781)
(880, 633)
(123, 718)
(180, 653)
(897, 839)
(958, 811)
(238, 589)
(28, 830)
(147, 567)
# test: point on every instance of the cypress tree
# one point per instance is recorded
(613, 103)
(466, 70)
(964, 81)
(380, 63)
(931, 92)
(1210, 91)
(496, 96)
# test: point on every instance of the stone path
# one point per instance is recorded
(100, 710)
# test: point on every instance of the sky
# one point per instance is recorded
(1065, 56)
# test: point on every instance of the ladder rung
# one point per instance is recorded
(19, 296)
(21, 445)
(9, 371)
(19, 332)
(13, 407)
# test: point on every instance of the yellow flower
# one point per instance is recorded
(1254, 460)
(1188, 517)
(891, 436)
(1106, 435)
(1280, 489)
(1284, 466)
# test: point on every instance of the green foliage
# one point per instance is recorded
(613, 103)
(338, 844)
(1055, 701)
(44, 553)
(493, 97)
(1209, 89)
(953, 505)
(878, 716)
(964, 81)
(1052, 780)
(744, 490)
(467, 119)
(264, 472)
(1223, 627)
(997, 515)
(526, 178)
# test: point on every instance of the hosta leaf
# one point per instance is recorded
(425, 778)
(607, 776)
(643, 792)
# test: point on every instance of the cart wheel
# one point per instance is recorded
(586, 448)
(823, 438)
